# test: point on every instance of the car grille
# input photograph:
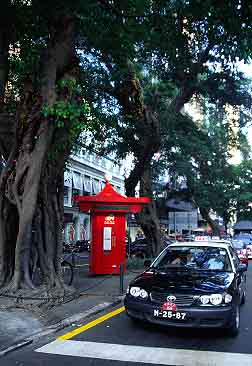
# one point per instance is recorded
(181, 299)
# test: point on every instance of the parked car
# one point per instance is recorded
(203, 289)
(241, 250)
(139, 247)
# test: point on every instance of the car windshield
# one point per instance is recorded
(197, 258)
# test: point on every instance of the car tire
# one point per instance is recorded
(234, 325)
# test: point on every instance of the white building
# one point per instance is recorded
(84, 175)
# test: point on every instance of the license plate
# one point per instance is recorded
(176, 315)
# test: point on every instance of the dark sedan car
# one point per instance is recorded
(139, 247)
(190, 285)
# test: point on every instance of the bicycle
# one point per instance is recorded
(67, 272)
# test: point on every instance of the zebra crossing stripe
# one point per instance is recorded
(149, 355)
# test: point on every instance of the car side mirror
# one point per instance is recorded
(242, 267)
(147, 263)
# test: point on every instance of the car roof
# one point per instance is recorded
(207, 243)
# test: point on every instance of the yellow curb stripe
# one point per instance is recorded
(91, 324)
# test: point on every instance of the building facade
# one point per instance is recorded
(85, 175)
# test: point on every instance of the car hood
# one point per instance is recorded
(183, 281)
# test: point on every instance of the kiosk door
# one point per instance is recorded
(108, 244)
(114, 232)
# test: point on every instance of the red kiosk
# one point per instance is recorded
(108, 219)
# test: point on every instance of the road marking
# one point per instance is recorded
(91, 324)
(150, 355)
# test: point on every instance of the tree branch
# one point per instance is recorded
(190, 84)
(59, 54)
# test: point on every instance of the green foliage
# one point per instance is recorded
(171, 46)
(69, 116)
(201, 153)
(243, 189)
(62, 112)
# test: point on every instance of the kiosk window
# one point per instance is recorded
(107, 238)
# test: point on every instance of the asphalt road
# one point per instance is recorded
(118, 341)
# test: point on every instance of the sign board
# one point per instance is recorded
(109, 220)
(201, 238)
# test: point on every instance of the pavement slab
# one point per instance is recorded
(16, 325)
(94, 294)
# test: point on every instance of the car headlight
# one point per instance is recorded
(138, 292)
(204, 299)
(216, 299)
(228, 298)
(135, 291)
(143, 293)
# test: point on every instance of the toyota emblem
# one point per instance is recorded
(171, 298)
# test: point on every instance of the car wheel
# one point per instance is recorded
(243, 299)
(234, 326)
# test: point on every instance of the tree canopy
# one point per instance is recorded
(121, 72)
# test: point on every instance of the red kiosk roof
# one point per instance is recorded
(109, 200)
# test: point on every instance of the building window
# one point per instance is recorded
(96, 186)
(87, 186)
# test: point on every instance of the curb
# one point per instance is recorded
(61, 325)
(16, 346)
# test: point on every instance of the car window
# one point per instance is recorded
(197, 258)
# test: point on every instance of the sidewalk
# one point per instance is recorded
(93, 294)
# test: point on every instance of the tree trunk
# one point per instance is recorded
(150, 144)
(148, 218)
(130, 96)
(8, 235)
(47, 240)
(32, 181)
(214, 226)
